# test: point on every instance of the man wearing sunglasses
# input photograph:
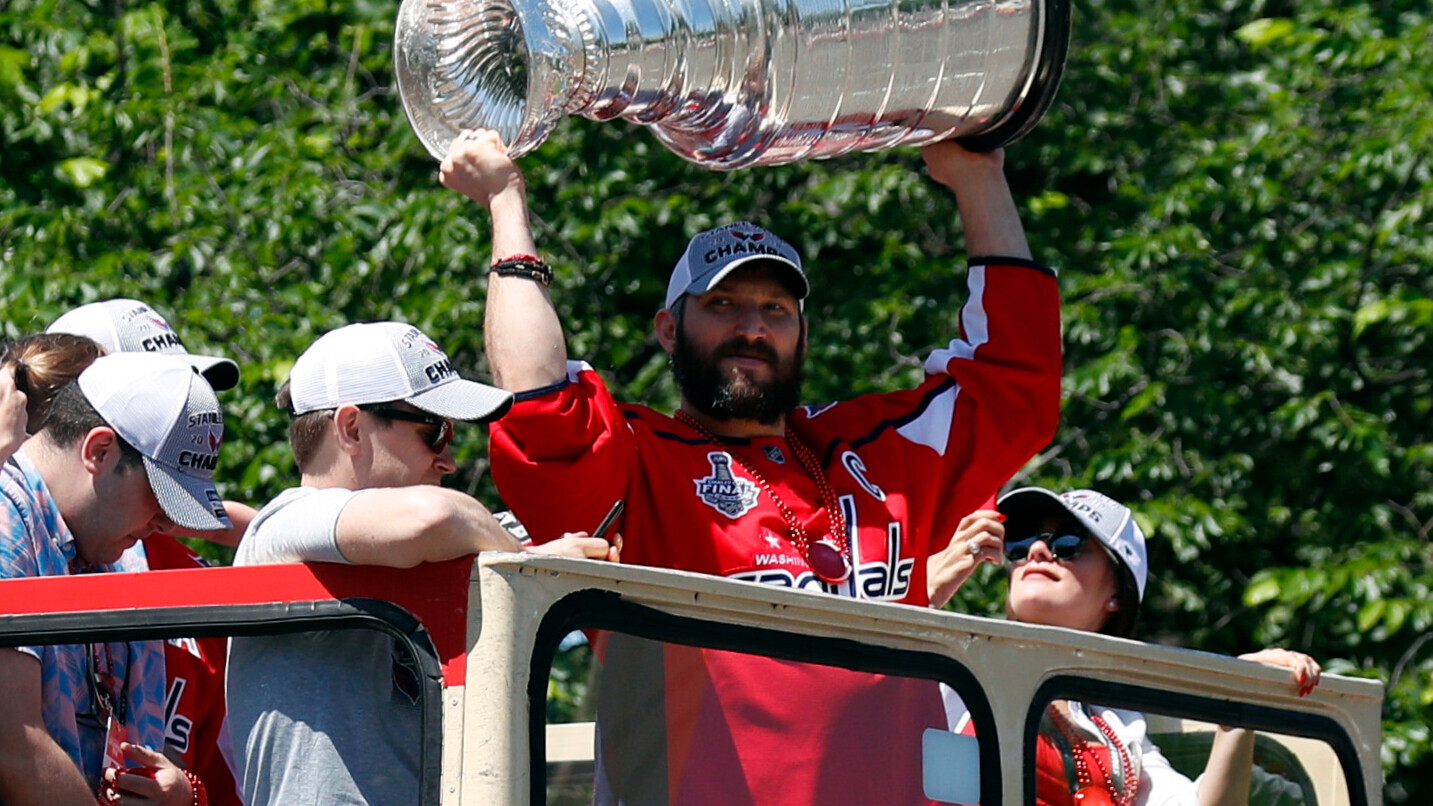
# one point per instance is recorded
(372, 407)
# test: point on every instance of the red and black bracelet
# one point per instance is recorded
(529, 266)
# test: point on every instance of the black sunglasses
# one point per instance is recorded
(1064, 547)
(440, 438)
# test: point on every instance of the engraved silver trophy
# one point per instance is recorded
(732, 83)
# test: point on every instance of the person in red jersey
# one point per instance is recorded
(195, 726)
(849, 498)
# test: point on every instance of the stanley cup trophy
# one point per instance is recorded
(732, 83)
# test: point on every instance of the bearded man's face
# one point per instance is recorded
(741, 349)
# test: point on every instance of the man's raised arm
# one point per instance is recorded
(992, 223)
(522, 331)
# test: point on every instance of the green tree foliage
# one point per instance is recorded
(1237, 192)
(1247, 239)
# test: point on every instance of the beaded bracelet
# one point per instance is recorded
(196, 788)
(109, 793)
(529, 266)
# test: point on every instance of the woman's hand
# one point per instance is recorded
(979, 538)
(1304, 670)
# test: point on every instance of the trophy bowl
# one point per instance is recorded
(735, 83)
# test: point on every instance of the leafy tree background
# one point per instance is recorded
(1237, 193)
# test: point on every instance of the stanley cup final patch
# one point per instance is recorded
(727, 494)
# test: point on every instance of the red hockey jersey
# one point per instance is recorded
(194, 710)
(905, 467)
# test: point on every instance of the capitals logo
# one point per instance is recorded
(727, 494)
(206, 438)
(876, 578)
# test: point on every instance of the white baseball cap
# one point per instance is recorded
(1107, 519)
(379, 362)
(131, 326)
(715, 253)
(162, 406)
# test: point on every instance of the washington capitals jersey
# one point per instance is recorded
(905, 466)
(194, 713)
(690, 725)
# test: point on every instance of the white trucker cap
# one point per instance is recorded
(131, 326)
(1107, 519)
(163, 407)
(380, 362)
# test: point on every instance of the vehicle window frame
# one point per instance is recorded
(606, 610)
(251, 620)
(1183, 705)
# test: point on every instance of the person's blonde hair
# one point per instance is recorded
(306, 431)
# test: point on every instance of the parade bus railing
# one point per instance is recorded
(503, 644)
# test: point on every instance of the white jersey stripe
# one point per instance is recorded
(853, 533)
(575, 368)
(975, 322)
(932, 426)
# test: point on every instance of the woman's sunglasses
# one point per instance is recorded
(1064, 547)
(441, 436)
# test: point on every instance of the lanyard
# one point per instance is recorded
(103, 691)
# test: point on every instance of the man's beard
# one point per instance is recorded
(733, 394)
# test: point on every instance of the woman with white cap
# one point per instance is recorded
(1078, 560)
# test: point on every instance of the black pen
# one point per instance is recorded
(610, 519)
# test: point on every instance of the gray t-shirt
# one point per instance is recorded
(326, 717)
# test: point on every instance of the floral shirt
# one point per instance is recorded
(34, 542)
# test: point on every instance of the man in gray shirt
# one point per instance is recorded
(331, 717)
